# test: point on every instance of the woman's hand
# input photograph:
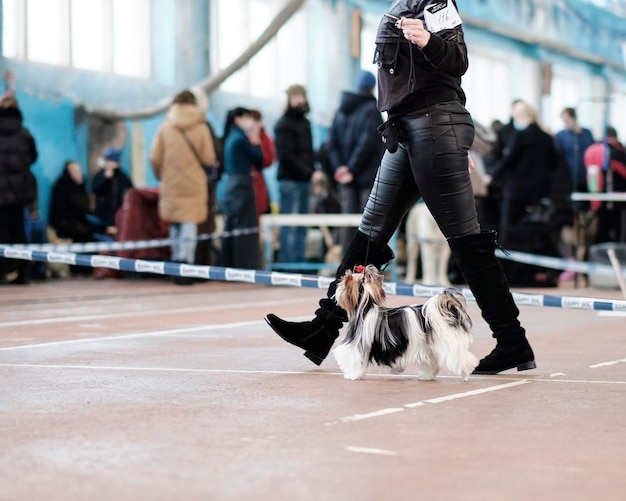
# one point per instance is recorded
(470, 162)
(254, 133)
(414, 31)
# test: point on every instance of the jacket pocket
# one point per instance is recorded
(386, 54)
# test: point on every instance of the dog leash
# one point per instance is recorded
(369, 236)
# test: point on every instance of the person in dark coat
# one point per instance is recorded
(572, 142)
(294, 150)
(18, 187)
(355, 148)
(525, 171)
(109, 186)
(242, 147)
(69, 205)
(489, 212)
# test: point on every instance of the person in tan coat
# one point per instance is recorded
(181, 148)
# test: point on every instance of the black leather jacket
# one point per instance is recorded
(410, 78)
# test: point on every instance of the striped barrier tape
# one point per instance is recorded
(111, 246)
(554, 263)
(286, 279)
(550, 262)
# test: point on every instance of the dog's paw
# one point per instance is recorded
(426, 376)
(352, 377)
(397, 370)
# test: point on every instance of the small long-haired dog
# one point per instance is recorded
(433, 335)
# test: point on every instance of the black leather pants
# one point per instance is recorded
(431, 162)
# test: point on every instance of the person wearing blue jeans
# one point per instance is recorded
(184, 236)
(294, 199)
(294, 150)
(421, 56)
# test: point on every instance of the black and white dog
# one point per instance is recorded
(433, 335)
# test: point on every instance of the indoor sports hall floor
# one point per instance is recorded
(136, 389)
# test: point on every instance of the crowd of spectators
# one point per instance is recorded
(526, 178)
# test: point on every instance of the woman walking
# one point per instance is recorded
(421, 56)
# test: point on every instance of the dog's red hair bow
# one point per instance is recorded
(359, 268)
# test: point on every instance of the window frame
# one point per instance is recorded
(247, 80)
(20, 39)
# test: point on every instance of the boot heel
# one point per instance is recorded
(313, 358)
(527, 366)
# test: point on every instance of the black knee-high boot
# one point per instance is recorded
(483, 273)
(317, 336)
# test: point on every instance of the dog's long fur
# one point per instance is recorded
(436, 334)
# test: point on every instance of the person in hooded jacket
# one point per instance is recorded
(18, 187)
(354, 147)
(69, 205)
(421, 56)
(181, 147)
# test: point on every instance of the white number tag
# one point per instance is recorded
(440, 16)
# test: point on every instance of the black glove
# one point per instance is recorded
(389, 135)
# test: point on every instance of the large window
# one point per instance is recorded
(487, 85)
(98, 35)
(238, 23)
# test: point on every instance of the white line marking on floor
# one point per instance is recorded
(369, 415)
(166, 369)
(608, 364)
(367, 450)
(140, 313)
(314, 372)
(557, 374)
(138, 335)
(455, 396)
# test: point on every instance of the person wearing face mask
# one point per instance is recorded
(242, 147)
(525, 171)
(294, 150)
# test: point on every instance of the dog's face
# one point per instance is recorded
(450, 307)
(355, 284)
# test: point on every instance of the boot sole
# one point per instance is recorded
(311, 356)
(520, 367)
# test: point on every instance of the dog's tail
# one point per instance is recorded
(451, 347)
